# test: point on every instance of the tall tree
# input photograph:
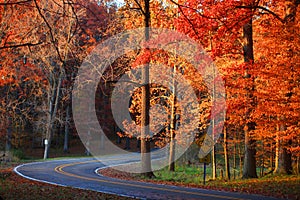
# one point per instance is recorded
(145, 115)
(249, 169)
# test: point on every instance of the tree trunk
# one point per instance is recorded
(287, 161)
(88, 140)
(127, 143)
(213, 153)
(284, 162)
(226, 157)
(249, 168)
(172, 153)
(298, 166)
(67, 121)
(283, 157)
(214, 163)
(240, 160)
(54, 94)
(8, 138)
(262, 161)
(172, 126)
(277, 150)
(49, 123)
(145, 141)
(234, 156)
(272, 157)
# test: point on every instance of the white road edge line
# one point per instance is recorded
(57, 184)
(95, 171)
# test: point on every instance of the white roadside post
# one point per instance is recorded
(46, 143)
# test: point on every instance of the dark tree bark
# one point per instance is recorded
(226, 156)
(234, 157)
(249, 168)
(67, 122)
(8, 136)
(145, 142)
(283, 157)
(172, 125)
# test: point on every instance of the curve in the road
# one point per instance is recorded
(59, 169)
(18, 170)
(80, 173)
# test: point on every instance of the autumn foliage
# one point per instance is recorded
(43, 44)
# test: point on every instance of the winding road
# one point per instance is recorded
(81, 173)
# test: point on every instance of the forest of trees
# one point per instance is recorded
(255, 45)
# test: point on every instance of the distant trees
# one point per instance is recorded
(54, 37)
(21, 82)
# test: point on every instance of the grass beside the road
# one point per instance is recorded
(278, 186)
(13, 186)
(182, 174)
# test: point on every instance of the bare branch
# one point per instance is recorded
(140, 6)
(21, 45)
(126, 81)
(77, 23)
(193, 9)
(264, 9)
(50, 31)
(14, 3)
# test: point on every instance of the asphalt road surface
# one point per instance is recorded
(81, 173)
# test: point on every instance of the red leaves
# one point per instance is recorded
(143, 58)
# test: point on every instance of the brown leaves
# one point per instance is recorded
(13, 186)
